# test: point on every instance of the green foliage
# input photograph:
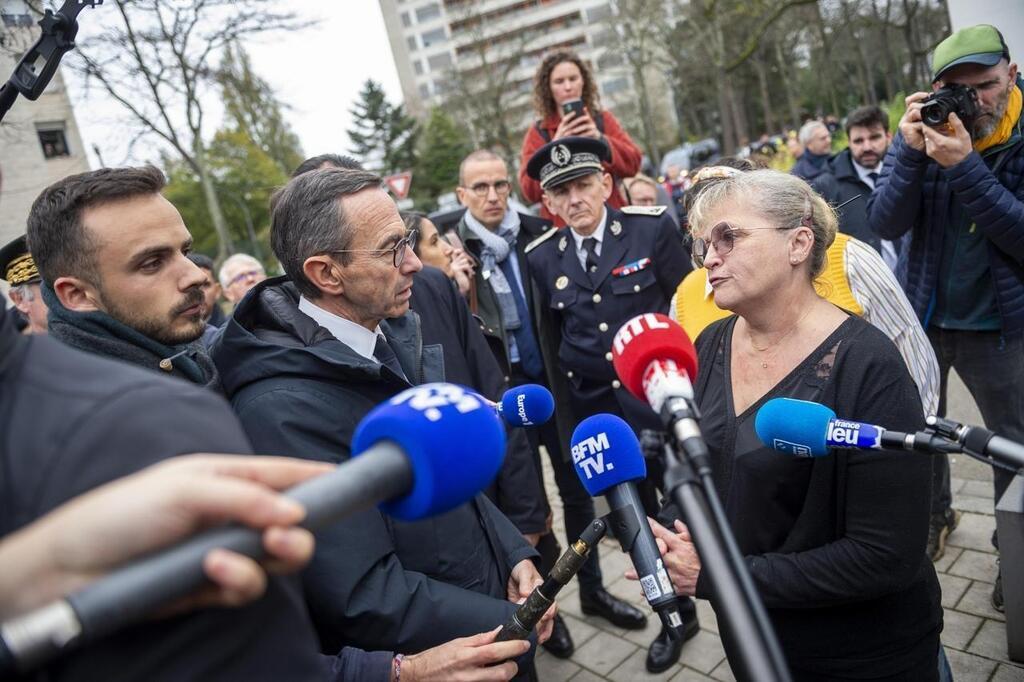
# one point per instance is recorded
(442, 146)
(383, 136)
(252, 108)
(245, 176)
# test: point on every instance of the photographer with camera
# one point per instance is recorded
(953, 178)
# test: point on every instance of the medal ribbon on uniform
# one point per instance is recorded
(630, 268)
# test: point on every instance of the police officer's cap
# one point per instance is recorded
(567, 158)
(16, 264)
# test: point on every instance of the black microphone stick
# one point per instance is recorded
(529, 613)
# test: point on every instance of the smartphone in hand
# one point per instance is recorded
(575, 105)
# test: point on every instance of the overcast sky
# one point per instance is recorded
(318, 72)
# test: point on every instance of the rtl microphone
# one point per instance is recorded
(608, 460)
(655, 361)
(526, 405)
(808, 429)
(529, 613)
(426, 451)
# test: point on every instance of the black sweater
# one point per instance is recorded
(836, 545)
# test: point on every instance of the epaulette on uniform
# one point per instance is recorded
(541, 239)
(644, 210)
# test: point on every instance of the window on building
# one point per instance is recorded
(417, 67)
(52, 140)
(428, 12)
(431, 37)
(440, 61)
(610, 58)
(406, 21)
(442, 87)
(610, 87)
(424, 91)
(596, 14)
(411, 42)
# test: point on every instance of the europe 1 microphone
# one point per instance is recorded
(808, 429)
(526, 405)
(425, 451)
(655, 360)
(607, 458)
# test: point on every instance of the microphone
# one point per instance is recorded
(981, 442)
(529, 613)
(526, 405)
(808, 429)
(607, 458)
(655, 360)
(425, 451)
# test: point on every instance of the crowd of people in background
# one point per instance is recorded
(857, 280)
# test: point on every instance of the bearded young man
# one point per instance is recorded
(958, 190)
(113, 255)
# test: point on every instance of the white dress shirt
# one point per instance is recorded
(355, 336)
(598, 234)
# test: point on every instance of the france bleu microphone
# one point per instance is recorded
(425, 451)
(808, 429)
(526, 405)
(608, 461)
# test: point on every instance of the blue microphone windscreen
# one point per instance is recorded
(605, 452)
(527, 405)
(797, 427)
(454, 441)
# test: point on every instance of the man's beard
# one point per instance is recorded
(983, 130)
(160, 328)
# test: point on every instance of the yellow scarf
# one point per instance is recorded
(1005, 128)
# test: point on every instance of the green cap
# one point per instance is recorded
(981, 44)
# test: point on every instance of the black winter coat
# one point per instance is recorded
(840, 184)
(468, 361)
(374, 582)
(70, 421)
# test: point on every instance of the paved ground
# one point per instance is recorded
(974, 633)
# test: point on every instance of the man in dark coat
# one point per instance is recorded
(497, 236)
(112, 252)
(817, 143)
(303, 361)
(70, 421)
(607, 267)
(851, 176)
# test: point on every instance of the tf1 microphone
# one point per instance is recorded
(655, 361)
(808, 429)
(529, 613)
(423, 452)
(608, 460)
(526, 405)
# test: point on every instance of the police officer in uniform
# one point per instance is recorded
(608, 266)
(18, 269)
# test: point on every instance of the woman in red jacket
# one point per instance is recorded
(563, 77)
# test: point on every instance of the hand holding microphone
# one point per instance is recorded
(679, 554)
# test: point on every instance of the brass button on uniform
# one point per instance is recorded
(603, 326)
(597, 298)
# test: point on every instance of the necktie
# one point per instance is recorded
(382, 351)
(874, 179)
(590, 246)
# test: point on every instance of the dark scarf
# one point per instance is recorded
(99, 333)
(817, 160)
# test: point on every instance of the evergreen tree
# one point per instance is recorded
(254, 110)
(383, 136)
(442, 146)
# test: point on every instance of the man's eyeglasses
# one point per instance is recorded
(245, 276)
(482, 189)
(723, 237)
(397, 251)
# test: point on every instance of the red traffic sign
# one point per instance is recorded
(399, 184)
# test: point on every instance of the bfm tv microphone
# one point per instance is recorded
(526, 405)
(608, 460)
(808, 429)
(655, 361)
(426, 451)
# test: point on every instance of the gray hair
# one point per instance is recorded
(783, 199)
(807, 130)
(306, 219)
(231, 261)
(22, 290)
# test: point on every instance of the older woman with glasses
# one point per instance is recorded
(835, 544)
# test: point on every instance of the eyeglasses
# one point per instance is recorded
(723, 237)
(244, 276)
(482, 189)
(397, 251)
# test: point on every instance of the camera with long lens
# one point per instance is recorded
(955, 98)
